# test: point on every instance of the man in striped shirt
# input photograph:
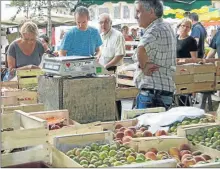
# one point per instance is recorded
(156, 54)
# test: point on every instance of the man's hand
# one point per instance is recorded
(150, 68)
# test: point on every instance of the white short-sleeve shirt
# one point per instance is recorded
(113, 45)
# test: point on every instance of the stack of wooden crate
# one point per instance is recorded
(217, 77)
(194, 78)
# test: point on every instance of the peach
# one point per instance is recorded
(126, 139)
(151, 155)
(160, 133)
(147, 134)
(118, 126)
(132, 128)
(173, 151)
(206, 157)
(143, 129)
(119, 135)
(186, 156)
(184, 147)
(188, 161)
(184, 152)
(199, 158)
(153, 150)
(129, 132)
(122, 129)
(139, 134)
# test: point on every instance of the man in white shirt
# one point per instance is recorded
(113, 47)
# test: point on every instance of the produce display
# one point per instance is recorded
(125, 134)
(188, 121)
(209, 137)
(116, 154)
(55, 123)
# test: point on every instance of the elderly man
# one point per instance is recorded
(81, 40)
(113, 48)
(156, 53)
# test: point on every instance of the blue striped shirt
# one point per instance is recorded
(81, 43)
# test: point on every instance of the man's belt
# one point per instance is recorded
(158, 92)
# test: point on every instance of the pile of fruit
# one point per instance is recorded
(55, 123)
(125, 134)
(185, 157)
(188, 121)
(209, 137)
(110, 155)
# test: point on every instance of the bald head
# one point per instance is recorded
(105, 22)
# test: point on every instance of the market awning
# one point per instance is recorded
(186, 5)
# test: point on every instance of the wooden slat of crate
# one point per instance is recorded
(125, 82)
(54, 113)
(24, 97)
(207, 68)
(25, 108)
(27, 82)
(10, 84)
(217, 64)
(31, 72)
(184, 88)
(112, 124)
(31, 155)
(126, 73)
(129, 114)
(203, 86)
(217, 82)
(183, 79)
(184, 69)
(122, 93)
(9, 101)
(206, 77)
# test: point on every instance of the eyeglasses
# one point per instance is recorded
(184, 26)
(103, 22)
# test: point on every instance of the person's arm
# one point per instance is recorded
(65, 44)
(196, 34)
(193, 49)
(119, 51)
(98, 53)
(98, 44)
(194, 55)
(211, 54)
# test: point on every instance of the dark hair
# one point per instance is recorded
(45, 38)
(194, 16)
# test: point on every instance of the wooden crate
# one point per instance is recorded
(25, 108)
(217, 82)
(217, 64)
(9, 101)
(124, 93)
(72, 127)
(163, 143)
(129, 114)
(45, 153)
(183, 79)
(23, 96)
(28, 78)
(206, 77)
(184, 88)
(9, 84)
(28, 131)
(125, 79)
(66, 143)
(203, 86)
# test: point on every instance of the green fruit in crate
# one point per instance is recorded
(213, 139)
(105, 166)
(93, 161)
(103, 155)
(202, 143)
(132, 150)
(78, 151)
(130, 159)
(112, 160)
(71, 152)
(120, 153)
(113, 147)
(112, 153)
(85, 165)
(94, 146)
(207, 139)
(122, 149)
(194, 122)
(91, 166)
(140, 155)
(127, 152)
(84, 153)
(216, 134)
(218, 147)
(209, 144)
(139, 160)
(190, 137)
(209, 134)
(105, 148)
(84, 162)
(200, 138)
(98, 163)
(117, 163)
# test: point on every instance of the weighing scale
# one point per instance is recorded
(73, 66)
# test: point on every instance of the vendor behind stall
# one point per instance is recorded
(25, 52)
(81, 40)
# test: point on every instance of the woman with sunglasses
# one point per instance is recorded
(25, 52)
(186, 45)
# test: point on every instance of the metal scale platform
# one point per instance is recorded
(73, 66)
